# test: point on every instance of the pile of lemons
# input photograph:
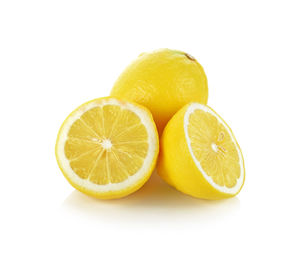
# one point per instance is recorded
(156, 116)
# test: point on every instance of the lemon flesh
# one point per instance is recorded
(107, 148)
(164, 81)
(200, 155)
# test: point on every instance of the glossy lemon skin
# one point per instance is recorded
(109, 194)
(164, 81)
(176, 165)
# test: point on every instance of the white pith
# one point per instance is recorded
(214, 147)
(106, 144)
(131, 180)
(224, 189)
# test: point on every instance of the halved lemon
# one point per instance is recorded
(107, 147)
(199, 154)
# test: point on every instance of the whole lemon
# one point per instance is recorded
(163, 81)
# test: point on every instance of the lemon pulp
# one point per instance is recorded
(214, 148)
(106, 145)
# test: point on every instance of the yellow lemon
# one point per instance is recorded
(164, 81)
(107, 147)
(199, 154)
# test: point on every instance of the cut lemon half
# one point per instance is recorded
(107, 147)
(199, 154)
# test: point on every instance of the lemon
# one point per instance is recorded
(107, 148)
(164, 81)
(199, 154)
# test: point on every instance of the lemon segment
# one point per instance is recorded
(200, 155)
(107, 147)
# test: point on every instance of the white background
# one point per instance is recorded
(56, 55)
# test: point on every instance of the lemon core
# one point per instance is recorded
(106, 144)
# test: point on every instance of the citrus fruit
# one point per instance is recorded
(164, 81)
(107, 147)
(199, 154)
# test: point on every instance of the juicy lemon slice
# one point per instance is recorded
(200, 155)
(107, 148)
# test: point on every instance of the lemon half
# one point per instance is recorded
(107, 147)
(199, 154)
